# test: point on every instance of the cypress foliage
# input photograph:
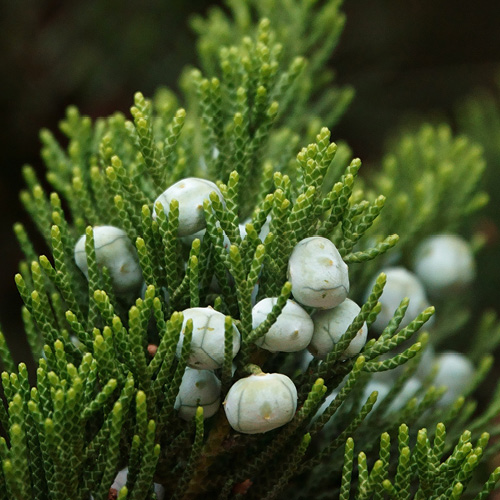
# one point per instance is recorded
(111, 359)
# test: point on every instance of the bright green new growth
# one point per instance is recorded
(102, 402)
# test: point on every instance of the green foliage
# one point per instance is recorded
(479, 118)
(310, 29)
(104, 400)
(422, 174)
(431, 181)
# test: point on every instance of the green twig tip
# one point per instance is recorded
(140, 398)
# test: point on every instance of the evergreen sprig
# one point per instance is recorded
(110, 364)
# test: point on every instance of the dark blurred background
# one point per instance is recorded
(406, 60)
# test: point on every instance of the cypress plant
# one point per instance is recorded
(112, 316)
